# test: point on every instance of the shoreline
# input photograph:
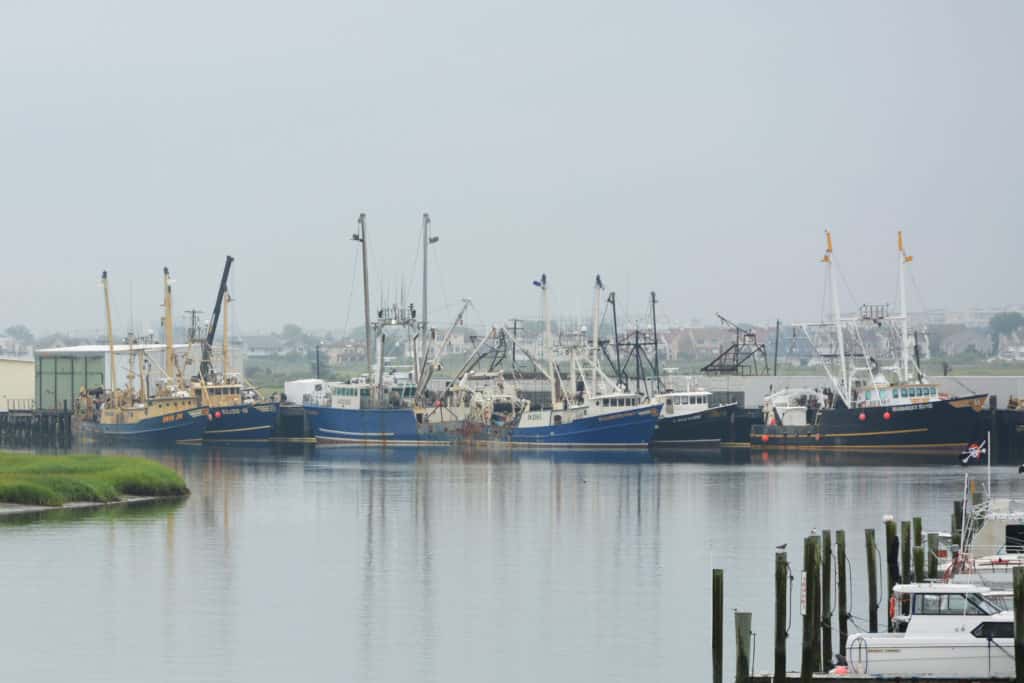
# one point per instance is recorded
(21, 509)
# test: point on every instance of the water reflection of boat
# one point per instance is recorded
(625, 456)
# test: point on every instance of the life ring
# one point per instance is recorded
(892, 606)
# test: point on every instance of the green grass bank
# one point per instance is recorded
(59, 479)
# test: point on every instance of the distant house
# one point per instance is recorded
(265, 345)
(966, 340)
(344, 352)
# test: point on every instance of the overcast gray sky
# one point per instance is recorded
(695, 148)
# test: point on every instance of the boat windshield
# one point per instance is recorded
(953, 604)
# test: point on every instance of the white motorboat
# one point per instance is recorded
(939, 629)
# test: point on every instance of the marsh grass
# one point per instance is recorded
(58, 479)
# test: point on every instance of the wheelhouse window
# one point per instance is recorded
(952, 604)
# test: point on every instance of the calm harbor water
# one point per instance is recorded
(436, 565)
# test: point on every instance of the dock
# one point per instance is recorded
(908, 556)
(26, 427)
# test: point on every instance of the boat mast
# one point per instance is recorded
(543, 284)
(615, 336)
(168, 325)
(596, 350)
(427, 241)
(361, 238)
(110, 332)
(827, 259)
(654, 326)
(904, 260)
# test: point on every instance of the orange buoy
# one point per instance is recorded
(764, 438)
(862, 417)
(887, 415)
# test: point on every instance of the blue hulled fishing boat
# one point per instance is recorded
(600, 414)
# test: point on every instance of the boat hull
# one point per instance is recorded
(945, 426)
(625, 429)
(960, 655)
(708, 427)
(394, 426)
(184, 425)
(241, 423)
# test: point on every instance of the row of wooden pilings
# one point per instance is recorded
(910, 556)
(30, 428)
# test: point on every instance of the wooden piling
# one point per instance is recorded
(1018, 622)
(933, 558)
(826, 597)
(742, 623)
(891, 563)
(905, 546)
(918, 537)
(717, 606)
(918, 563)
(841, 586)
(814, 593)
(781, 577)
(807, 656)
(872, 555)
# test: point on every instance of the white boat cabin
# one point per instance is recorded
(881, 393)
(684, 402)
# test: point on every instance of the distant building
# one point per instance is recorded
(17, 383)
(966, 340)
(265, 345)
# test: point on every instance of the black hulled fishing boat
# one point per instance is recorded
(870, 405)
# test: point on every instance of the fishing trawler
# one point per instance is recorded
(237, 411)
(689, 418)
(868, 405)
(600, 414)
(386, 406)
(171, 414)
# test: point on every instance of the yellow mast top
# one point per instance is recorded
(903, 252)
(168, 326)
(110, 332)
(827, 258)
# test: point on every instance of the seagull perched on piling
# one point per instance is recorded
(781, 547)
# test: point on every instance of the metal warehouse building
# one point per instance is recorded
(61, 373)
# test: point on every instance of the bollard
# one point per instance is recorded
(781, 576)
(841, 585)
(717, 585)
(742, 623)
(872, 555)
